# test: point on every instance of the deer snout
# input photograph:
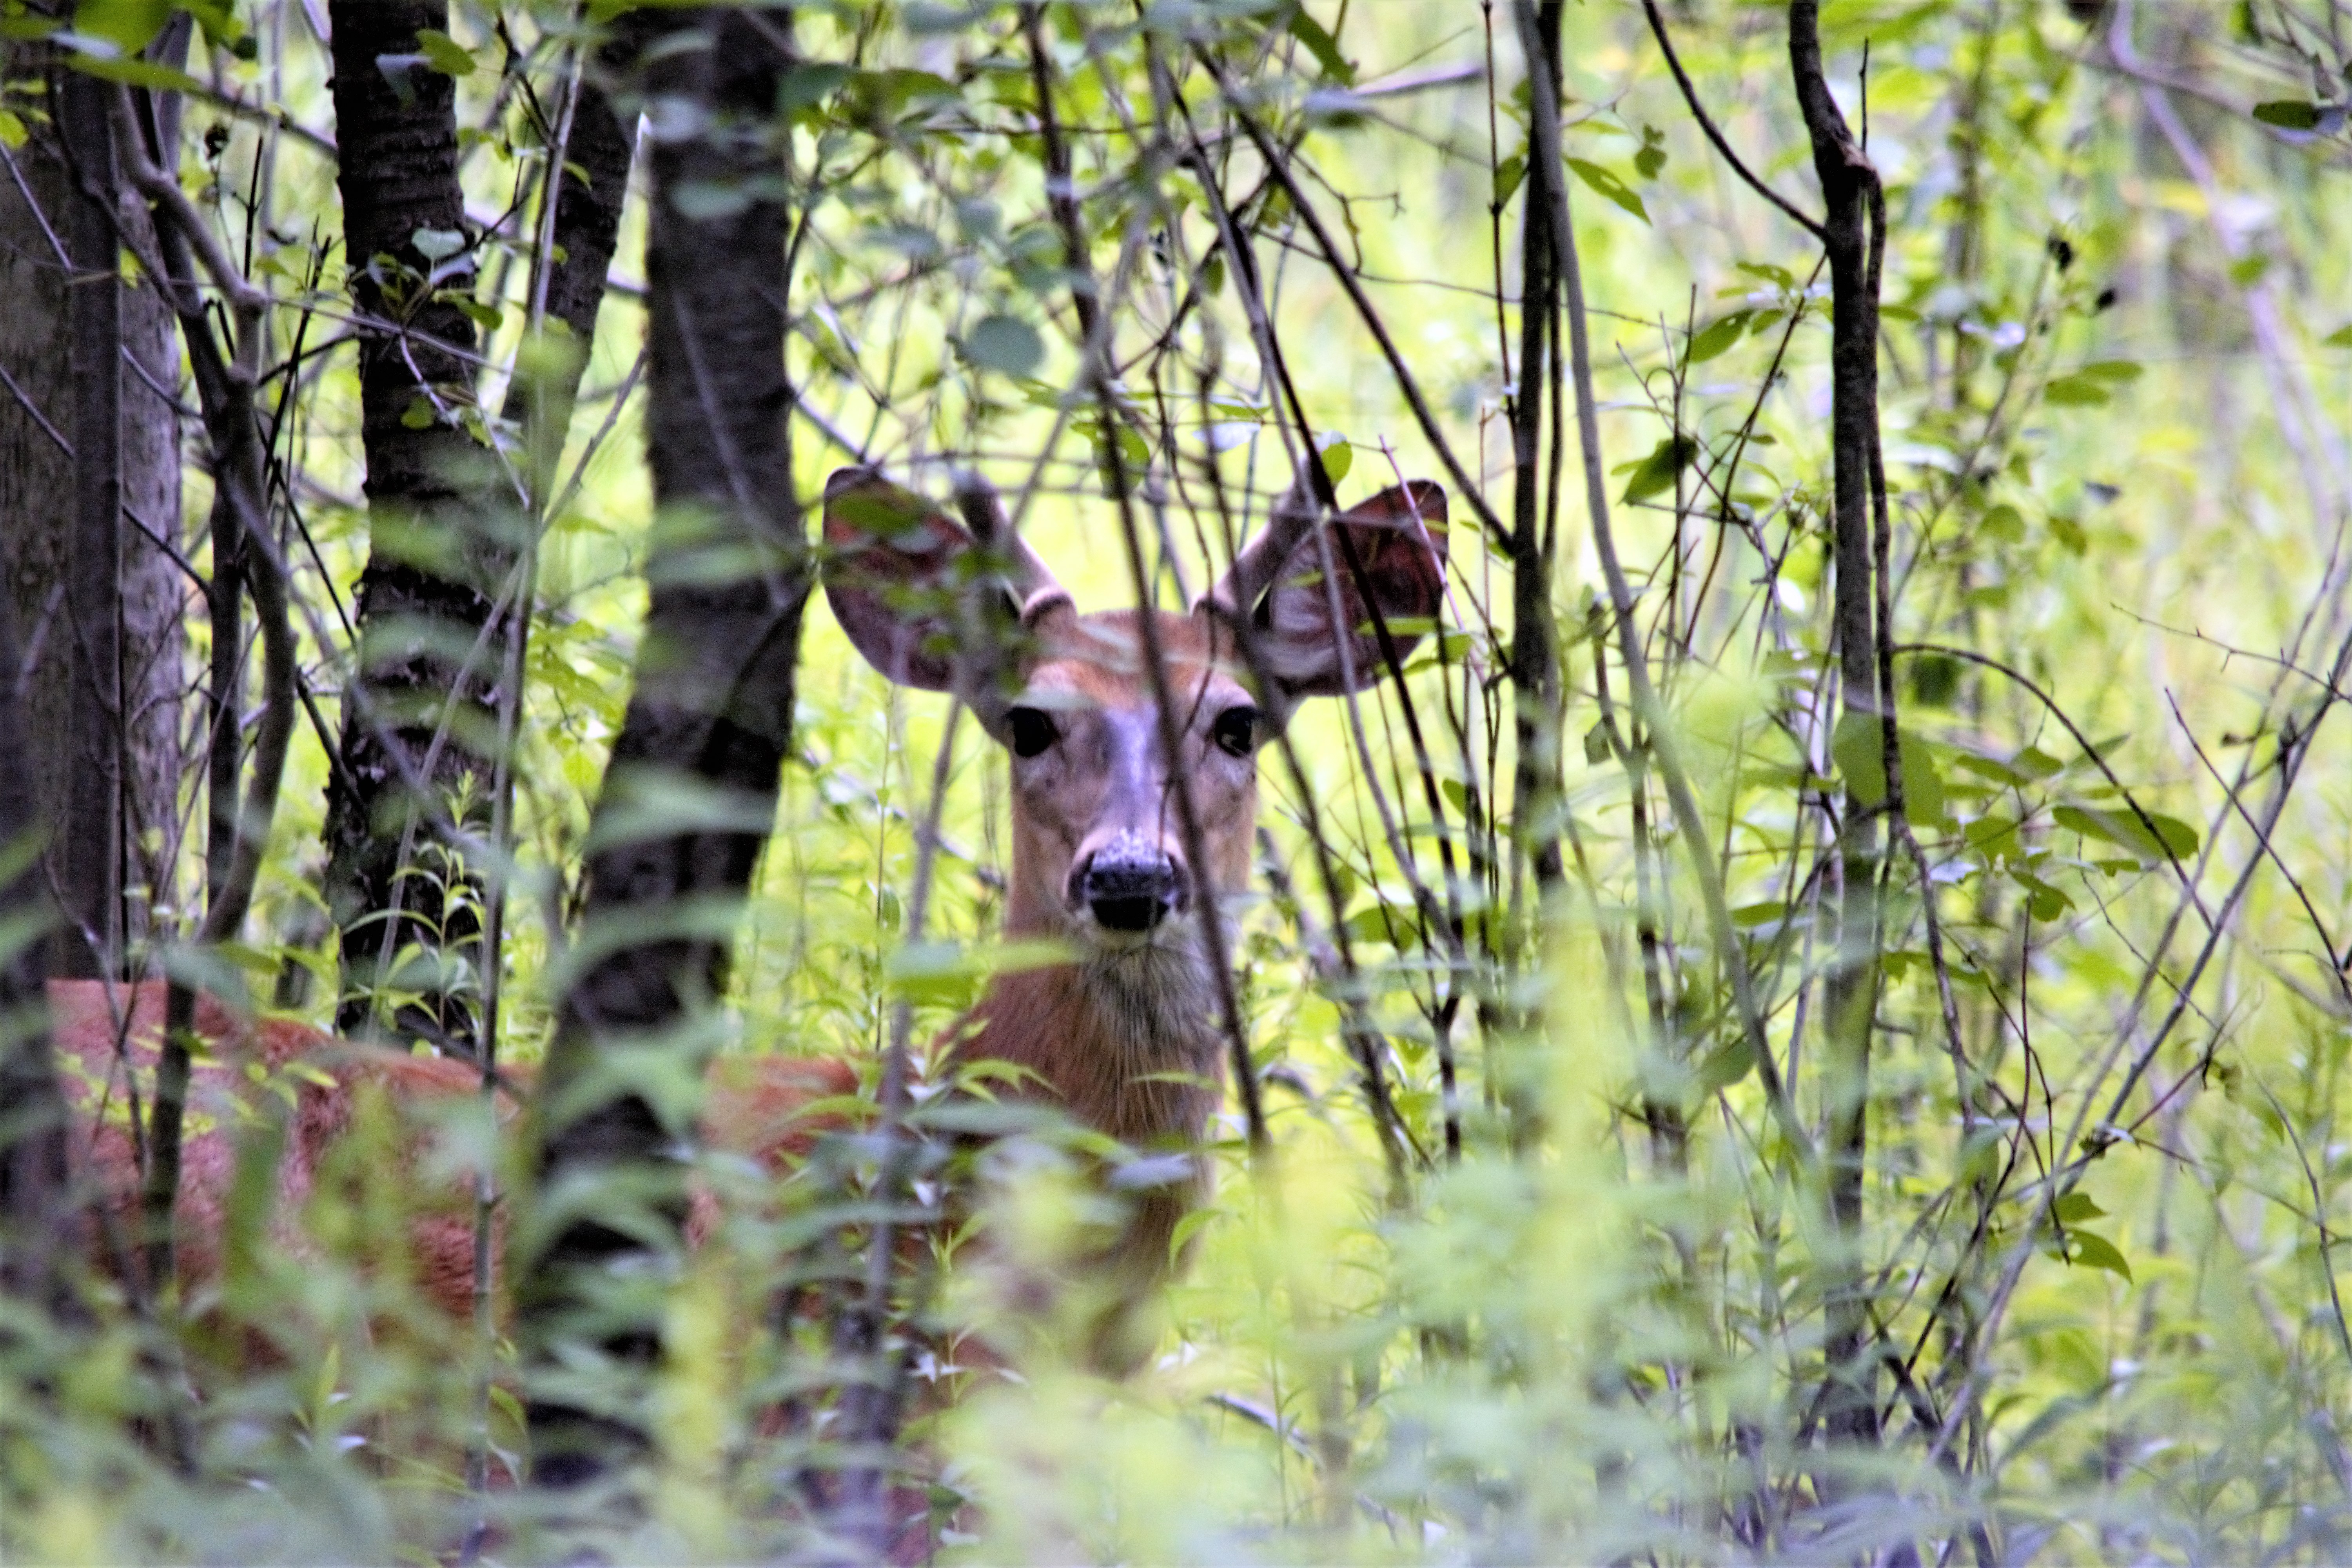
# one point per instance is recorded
(1129, 884)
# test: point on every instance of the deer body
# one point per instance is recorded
(100, 1029)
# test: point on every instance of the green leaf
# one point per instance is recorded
(2289, 114)
(1779, 276)
(2076, 1207)
(1714, 339)
(1610, 183)
(1656, 473)
(2004, 522)
(443, 53)
(11, 130)
(2114, 370)
(1004, 344)
(2075, 392)
(1652, 158)
(134, 72)
(128, 25)
(1319, 43)
(1336, 456)
(2172, 838)
(438, 244)
(1858, 747)
(1726, 1068)
(2341, 338)
(1507, 175)
(2094, 1251)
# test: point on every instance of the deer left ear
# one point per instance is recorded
(1389, 557)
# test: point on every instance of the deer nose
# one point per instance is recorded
(1132, 885)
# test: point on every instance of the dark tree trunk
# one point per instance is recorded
(35, 1217)
(98, 602)
(587, 227)
(711, 714)
(436, 557)
(445, 516)
(1535, 652)
(1852, 989)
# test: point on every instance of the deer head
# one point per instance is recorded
(1099, 859)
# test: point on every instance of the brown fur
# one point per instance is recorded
(752, 1108)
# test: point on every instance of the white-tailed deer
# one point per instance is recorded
(1127, 1035)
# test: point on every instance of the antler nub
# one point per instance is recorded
(1034, 585)
(1258, 564)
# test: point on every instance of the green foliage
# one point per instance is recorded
(1604, 1331)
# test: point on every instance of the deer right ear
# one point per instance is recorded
(891, 576)
(910, 584)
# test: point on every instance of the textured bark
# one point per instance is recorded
(36, 1218)
(1852, 989)
(445, 524)
(711, 712)
(587, 227)
(118, 716)
(1535, 653)
(435, 560)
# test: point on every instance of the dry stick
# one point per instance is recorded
(2050, 705)
(539, 468)
(2336, 971)
(1693, 828)
(871, 1413)
(1364, 1040)
(1535, 661)
(227, 390)
(1278, 171)
(1293, 520)
(1096, 357)
(1811, 226)
(2293, 751)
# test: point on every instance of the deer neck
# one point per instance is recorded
(1125, 1041)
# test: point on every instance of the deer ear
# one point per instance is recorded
(1393, 546)
(892, 577)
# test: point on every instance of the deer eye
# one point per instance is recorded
(1237, 730)
(1031, 730)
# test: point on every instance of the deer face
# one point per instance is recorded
(1100, 856)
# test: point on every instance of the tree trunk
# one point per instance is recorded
(710, 717)
(435, 560)
(1852, 989)
(437, 603)
(35, 1222)
(99, 601)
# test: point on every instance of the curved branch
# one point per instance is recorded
(1796, 215)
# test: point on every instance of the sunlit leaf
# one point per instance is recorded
(1610, 183)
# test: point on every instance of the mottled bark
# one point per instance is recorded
(81, 549)
(437, 603)
(710, 714)
(425, 676)
(1535, 650)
